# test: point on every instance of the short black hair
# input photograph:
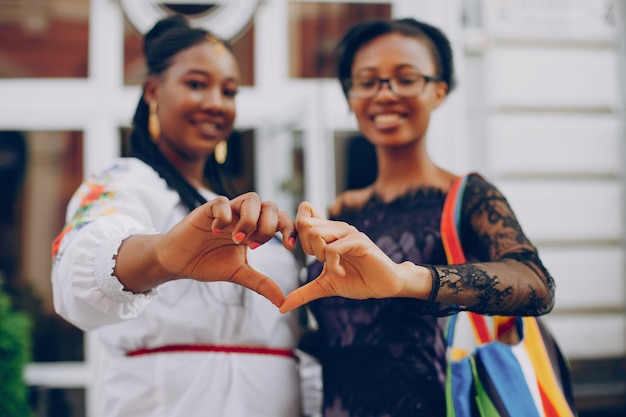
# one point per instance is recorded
(363, 32)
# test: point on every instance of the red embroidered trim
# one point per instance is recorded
(258, 350)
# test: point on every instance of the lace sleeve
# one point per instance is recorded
(504, 274)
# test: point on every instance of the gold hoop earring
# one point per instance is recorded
(154, 126)
(221, 151)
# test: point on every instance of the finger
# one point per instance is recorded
(303, 295)
(357, 252)
(313, 243)
(267, 225)
(259, 283)
(287, 229)
(352, 245)
(248, 208)
(333, 262)
(218, 212)
(322, 233)
(306, 211)
(310, 239)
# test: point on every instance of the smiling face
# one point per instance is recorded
(196, 101)
(386, 119)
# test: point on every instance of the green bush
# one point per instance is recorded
(15, 353)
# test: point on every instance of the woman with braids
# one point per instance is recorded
(179, 276)
(380, 342)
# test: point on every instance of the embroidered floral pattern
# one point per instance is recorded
(94, 195)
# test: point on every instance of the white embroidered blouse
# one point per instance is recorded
(130, 198)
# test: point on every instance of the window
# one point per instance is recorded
(315, 29)
(44, 39)
(39, 171)
(135, 66)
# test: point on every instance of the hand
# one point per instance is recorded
(210, 243)
(354, 267)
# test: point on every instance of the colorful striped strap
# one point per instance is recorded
(450, 236)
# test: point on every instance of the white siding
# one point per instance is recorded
(549, 134)
(585, 336)
(568, 76)
(587, 277)
(566, 211)
(554, 144)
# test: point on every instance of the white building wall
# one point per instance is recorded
(548, 116)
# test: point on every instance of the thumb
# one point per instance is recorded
(261, 284)
(303, 295)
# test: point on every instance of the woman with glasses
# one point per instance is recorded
(381, 342)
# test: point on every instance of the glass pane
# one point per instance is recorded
(47, 402)
(292, 186)
(135, 66)
(239, 162)
(315, 30)
(44, 39)
(39, 172)
(134, 62)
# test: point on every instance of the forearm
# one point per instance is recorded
(506, 287)
(86, 292)
(137, 266)
(418, 281)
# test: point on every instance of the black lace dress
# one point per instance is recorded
(386, 357)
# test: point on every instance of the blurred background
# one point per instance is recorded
(539, 111)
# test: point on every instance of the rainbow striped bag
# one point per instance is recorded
(492, 376)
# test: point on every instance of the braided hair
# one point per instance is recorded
(361, 33)
(168, 37)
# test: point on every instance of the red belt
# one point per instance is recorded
(258, 350)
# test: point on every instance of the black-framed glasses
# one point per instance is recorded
(405, 85)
